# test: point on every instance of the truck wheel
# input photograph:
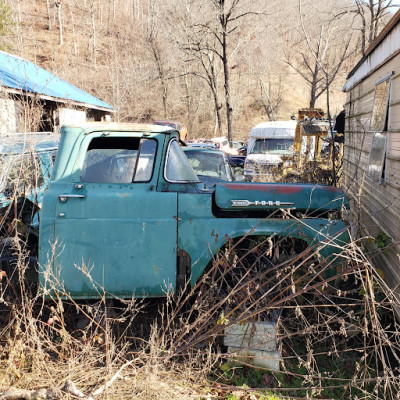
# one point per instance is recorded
(256, 273)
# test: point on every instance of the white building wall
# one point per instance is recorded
(68, 116)
(9, 116)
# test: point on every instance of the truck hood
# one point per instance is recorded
(267, 158)
(258, 196)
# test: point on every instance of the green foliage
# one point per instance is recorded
(382, 240)
(245, 377)
(222, 320)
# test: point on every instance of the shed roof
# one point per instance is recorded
(17, 73)
(388, 44)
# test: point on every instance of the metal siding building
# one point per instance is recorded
(31, 95)
(372, 149)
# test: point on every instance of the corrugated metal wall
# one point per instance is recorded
(375, 206)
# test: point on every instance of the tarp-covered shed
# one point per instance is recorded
(21, 79)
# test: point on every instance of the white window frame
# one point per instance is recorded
(376, 170)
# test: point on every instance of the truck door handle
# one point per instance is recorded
(64, 197)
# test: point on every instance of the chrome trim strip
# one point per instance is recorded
(263, 203)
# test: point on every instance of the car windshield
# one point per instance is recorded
(3, 174)
(20, 143)
(208, 164)
(277, 146)
(19, 172)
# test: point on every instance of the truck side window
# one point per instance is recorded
(119, 160)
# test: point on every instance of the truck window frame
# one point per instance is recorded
(167, 179)
(376, 169)
(136, 161)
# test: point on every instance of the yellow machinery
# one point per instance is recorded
(311, 137)
(311, 147)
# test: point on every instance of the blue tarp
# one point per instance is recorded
(17, 73)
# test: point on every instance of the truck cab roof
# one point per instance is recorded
(118, 127)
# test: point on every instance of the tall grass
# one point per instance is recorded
(336, 331)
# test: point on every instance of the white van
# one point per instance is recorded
(221, 142)
(269, 142)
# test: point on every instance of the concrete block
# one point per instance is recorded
(265, 359)
(260, 336)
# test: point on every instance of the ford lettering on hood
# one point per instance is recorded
(302, 197)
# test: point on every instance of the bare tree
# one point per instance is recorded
(60, 24)
(228, 14)
(213, 37)
(111, 13)
(324, 72)
(92, 15)
(152, 39)
(161, 75)
(373, 15)
(74, 36)
(319, 52)
(207, 60)
(50, 27)
(199, 50)
(271, 105)
(200, 61)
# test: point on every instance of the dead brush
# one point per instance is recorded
(327, 170)
(336, 331)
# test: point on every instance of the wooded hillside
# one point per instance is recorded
(215, 65)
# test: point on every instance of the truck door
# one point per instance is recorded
(114, 231)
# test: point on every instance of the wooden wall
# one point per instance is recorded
(375, 206)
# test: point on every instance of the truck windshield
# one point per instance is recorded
(276, 146)
(20, 173)
(208, 164)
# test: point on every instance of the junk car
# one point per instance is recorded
(211, 166)
(26, 163)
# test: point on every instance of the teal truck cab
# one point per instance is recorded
(126, 215)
